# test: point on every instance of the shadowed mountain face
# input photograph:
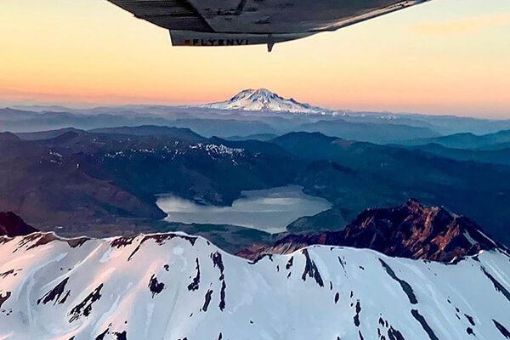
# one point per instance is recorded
(84, 181)
(498, 156)
(53, 188)
(490, 148)
(82, 178)
(355, 175)
(12, 225)
(412, 231)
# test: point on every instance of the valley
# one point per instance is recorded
(115, 177)
(108, 179)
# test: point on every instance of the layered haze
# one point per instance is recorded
(445, 56)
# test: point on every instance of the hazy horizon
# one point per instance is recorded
(441, 57)
(90, 106)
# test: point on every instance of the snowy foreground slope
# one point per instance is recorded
(172, 286)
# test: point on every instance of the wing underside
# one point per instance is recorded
(169, 14)
(247, 22)
(292, 16)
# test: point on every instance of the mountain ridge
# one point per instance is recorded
(411, 230)
(467, 140)
(177, 286)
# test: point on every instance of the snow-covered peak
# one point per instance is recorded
(175, 286)
(265, 100)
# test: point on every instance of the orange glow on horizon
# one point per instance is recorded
(439, 58)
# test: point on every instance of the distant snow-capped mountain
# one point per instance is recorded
(175, 286)
(265, 100)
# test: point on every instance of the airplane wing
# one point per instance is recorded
(247, 22)
(169, 14)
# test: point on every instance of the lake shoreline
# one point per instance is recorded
(268, 210)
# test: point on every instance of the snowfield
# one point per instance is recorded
(265, 100)
(175, 286)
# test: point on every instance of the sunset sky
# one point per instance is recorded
(442, 57)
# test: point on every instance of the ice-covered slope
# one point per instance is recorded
(265, 100)
(172, 286)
